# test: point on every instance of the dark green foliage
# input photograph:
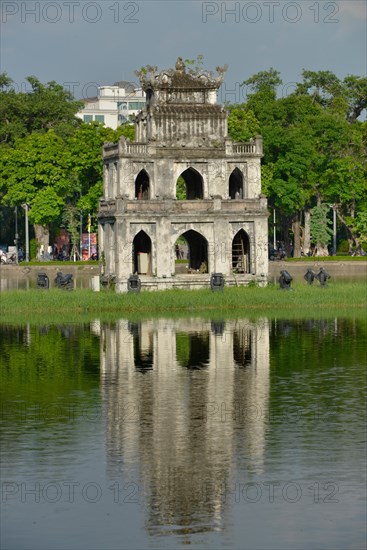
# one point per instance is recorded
(32, 249)
(47, 155)
(314, 148)
(181, 189)
(40, 109)
(314, 145)
(320, 230)
(242, 123)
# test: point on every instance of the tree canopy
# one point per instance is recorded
(314, 146)
(49, 158)
(314, 152)
(41, 108)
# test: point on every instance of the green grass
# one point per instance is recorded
(79, 305)
(59, 262)
(328, 259)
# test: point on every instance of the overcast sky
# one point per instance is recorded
(83, 43)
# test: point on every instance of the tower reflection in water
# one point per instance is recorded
(186, 404)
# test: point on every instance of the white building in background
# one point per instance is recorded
(114, 105)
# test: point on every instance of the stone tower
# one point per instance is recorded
(183, 188)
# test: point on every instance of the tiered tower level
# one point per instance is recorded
(183, 187)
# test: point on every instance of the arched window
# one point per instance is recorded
(241, 253)
(236, 188)
(195, 250)
(142, 191)
(142, 254)
(189, 185)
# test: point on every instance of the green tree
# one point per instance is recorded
(242, 123)
(71, 221)
(360, 229)
(348, 96)
(127, 130)
(181, 189)
(264, 82)
(314, 146)
(37, 171)
(320, 230)
(40, 109)
(85, 148)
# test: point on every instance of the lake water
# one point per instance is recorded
(223, 433)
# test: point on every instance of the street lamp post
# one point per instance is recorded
(334, 229)
(333, 206)
(81, 236)
(16, 234)
(26, 207)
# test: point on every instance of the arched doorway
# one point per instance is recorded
(196, 251)
(236, 190)
(181, 255)
(142, 188)
(142, 254)
(241, 253)
(189, 185)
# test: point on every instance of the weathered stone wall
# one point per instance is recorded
(182, 132)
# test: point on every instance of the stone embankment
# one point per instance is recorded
(23, 277)
(337, 269)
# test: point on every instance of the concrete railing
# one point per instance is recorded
(241, 148)
(250, 148)
(169, 206)
(107, 205)
(188, 207)
(124, 147)
(136, 148)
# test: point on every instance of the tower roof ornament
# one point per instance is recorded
(180, 66)
(179, 79)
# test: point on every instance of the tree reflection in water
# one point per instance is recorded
(179, 442)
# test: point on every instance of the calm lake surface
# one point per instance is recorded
(160, 433)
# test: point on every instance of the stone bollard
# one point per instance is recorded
(285, 280)
(217, 282)
(322, 277)
(309, 276)
(95, 283)
(64, 282)
(133, 283)
(43, 280)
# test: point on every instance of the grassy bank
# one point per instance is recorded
(328, 259)
(57, 263)
(337, 297)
